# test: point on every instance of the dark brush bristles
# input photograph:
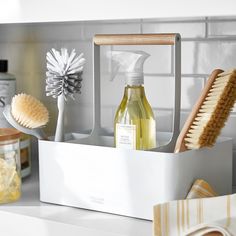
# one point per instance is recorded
(67, 85)
(213, 113)
(64, 73)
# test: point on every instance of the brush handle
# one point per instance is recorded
(39, 134)
(180, 144)
(59, 136)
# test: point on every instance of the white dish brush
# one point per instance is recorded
(64, 78)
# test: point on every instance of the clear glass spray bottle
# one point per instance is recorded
(134, 124)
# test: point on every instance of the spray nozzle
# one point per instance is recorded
(131, 63)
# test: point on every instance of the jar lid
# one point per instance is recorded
(3, 66)
(9, 134)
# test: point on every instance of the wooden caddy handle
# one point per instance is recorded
(135, 39)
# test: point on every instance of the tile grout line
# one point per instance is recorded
(206, 27)
(178, 21)
(206, 37)
(88, 40)
(141, 26)
(83, 31)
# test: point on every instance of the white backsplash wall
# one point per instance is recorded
(207, 43)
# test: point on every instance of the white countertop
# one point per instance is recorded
(30, 215)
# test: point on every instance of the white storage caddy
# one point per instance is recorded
(88, 172)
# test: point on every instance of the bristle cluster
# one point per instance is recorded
(28, 111)
(64, 73)
(213, 112)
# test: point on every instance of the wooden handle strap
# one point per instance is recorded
(136, 39)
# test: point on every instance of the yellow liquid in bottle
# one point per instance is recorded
(135, 110)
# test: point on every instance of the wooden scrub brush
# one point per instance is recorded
(210, 112)
(27, 114)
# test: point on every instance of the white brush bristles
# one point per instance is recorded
(28, 111)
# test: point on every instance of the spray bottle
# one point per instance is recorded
(134, 124)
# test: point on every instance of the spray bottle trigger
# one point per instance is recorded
(115, 67)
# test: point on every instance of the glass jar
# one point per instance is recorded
(10, 177)
(25, 155)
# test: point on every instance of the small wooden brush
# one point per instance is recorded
(27, 114)
(210, 112)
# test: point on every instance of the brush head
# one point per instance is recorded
(28, 111)
(210, 113)
(64, 73)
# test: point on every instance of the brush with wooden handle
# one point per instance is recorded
(210, 112)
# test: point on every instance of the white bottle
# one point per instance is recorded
(7, 90)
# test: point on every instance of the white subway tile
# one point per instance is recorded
(204, 57)
(29, 57)
(21, 58)
(221, 18)
(4, 52)
(159, 60)
(190, 91)
(183, 117)
(164, 120)
(112, 91)
(159, 91)
(64, 31)
(105, 61)
(40, 51)
(41, 32)
(186, 29)
(11, 33)
(190, 57)
(31, 83)
(78, 117)
(175, 19)
(107, 117)
(222, 28)
(217, 55)
(229, 129)
(118, 28)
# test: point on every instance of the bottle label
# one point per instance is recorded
(7, 91)
(126, 136)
